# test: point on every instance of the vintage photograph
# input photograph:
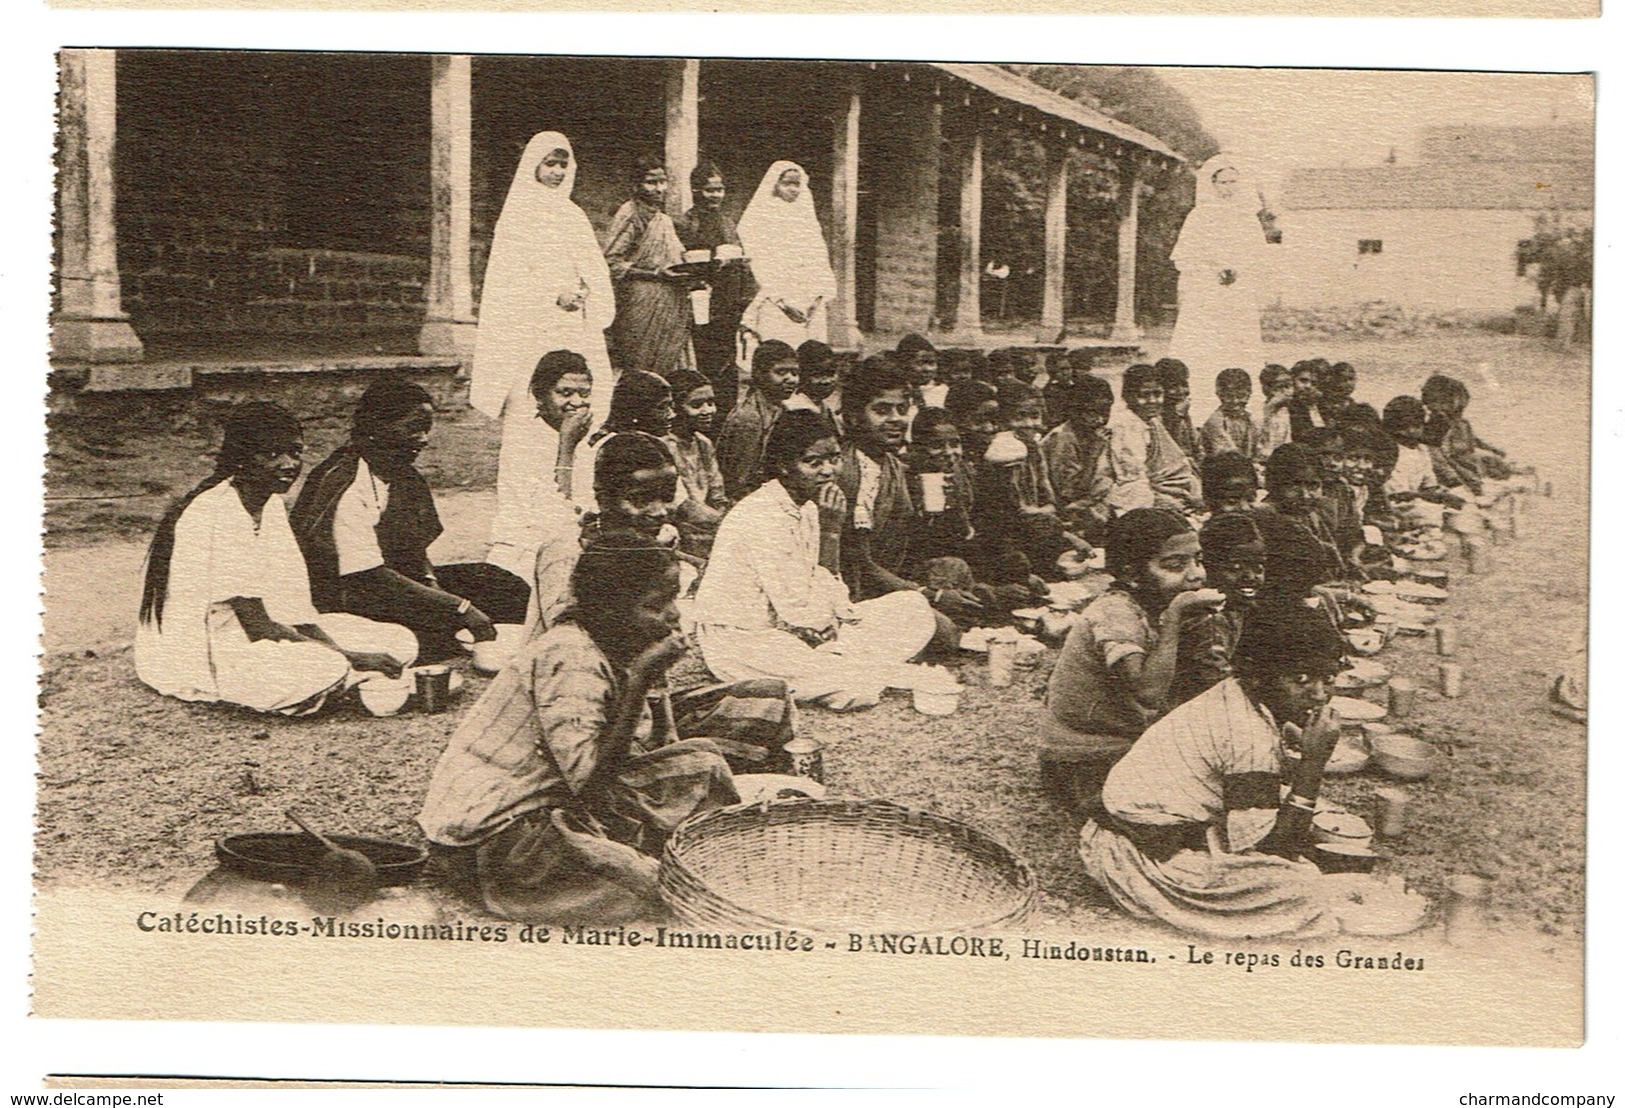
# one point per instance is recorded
(612, 518)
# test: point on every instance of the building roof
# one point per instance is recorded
(1512, 186)
(1017, 89)
(1475, 143)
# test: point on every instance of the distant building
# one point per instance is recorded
(1443, 234)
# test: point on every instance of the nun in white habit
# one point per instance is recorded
(789, 259)
(1222, 260)
(546, 288)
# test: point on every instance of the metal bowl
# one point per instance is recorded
(1404, 756)
(292, 857)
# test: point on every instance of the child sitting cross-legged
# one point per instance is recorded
(694, 414)
(880, 522)
(559, 788)
(1014, 499)
(946, 546)
(1413, 490)
(770, 605)
(1231, 429)
(1076, 453)
(1149, 468)
(1458, 451)
(1115, 671)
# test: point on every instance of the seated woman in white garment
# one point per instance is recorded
(768, 606)
(1207, 817)
(226, 614)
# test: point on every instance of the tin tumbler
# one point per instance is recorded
(1401, 697)
(434, 687)
(1450, 679)
(1392, 802)
(1001, 660)
(1466, 898)
(806, 758)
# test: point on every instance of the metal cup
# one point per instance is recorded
(1476, 553)
(1001, 661)
(434, 687)
(1401, 697)
(1392, 802)
(806, 758)
(1450, 679)
(1444, 636)
(1465, 919)
(933, 492)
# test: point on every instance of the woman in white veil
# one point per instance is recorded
(1221, 257)
(546, 288)
(789, 259)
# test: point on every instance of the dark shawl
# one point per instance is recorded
(408, 525)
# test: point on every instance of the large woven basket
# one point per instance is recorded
(829, 865)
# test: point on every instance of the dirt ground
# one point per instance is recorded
(134, 788)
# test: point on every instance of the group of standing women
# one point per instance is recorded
(626, 305)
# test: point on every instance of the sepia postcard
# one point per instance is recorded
(872, 547)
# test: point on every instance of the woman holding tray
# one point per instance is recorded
(652, 315)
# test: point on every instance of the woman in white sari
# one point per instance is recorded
(546, 288)
(789, 259)
(1222, 260)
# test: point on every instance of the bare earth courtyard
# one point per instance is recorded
(134, 788)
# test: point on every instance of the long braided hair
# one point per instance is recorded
(250, 429)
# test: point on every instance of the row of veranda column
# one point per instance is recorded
(90, 324)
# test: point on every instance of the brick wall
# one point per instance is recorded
(611, 109)
(900, 151)
(271, 194)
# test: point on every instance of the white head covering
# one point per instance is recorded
(542, 246)
(785, 244)
(1221, 232)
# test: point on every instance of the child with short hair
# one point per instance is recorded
(1076, 452)
(1304, 406)
(1014, 496)
(689, 442)
(974, 406)
(1276, 381)
(1336, 504)
(1149, 468)
(1460, 453)
(1230, 483)
(1233, 553)
(917, 358)
(775, 374)
(1366, 451)
(1231, 427)
(819, 378)
(1176, 407)
(1412, 487)
(1336, 384)
(945, 547)
(1113, 675)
